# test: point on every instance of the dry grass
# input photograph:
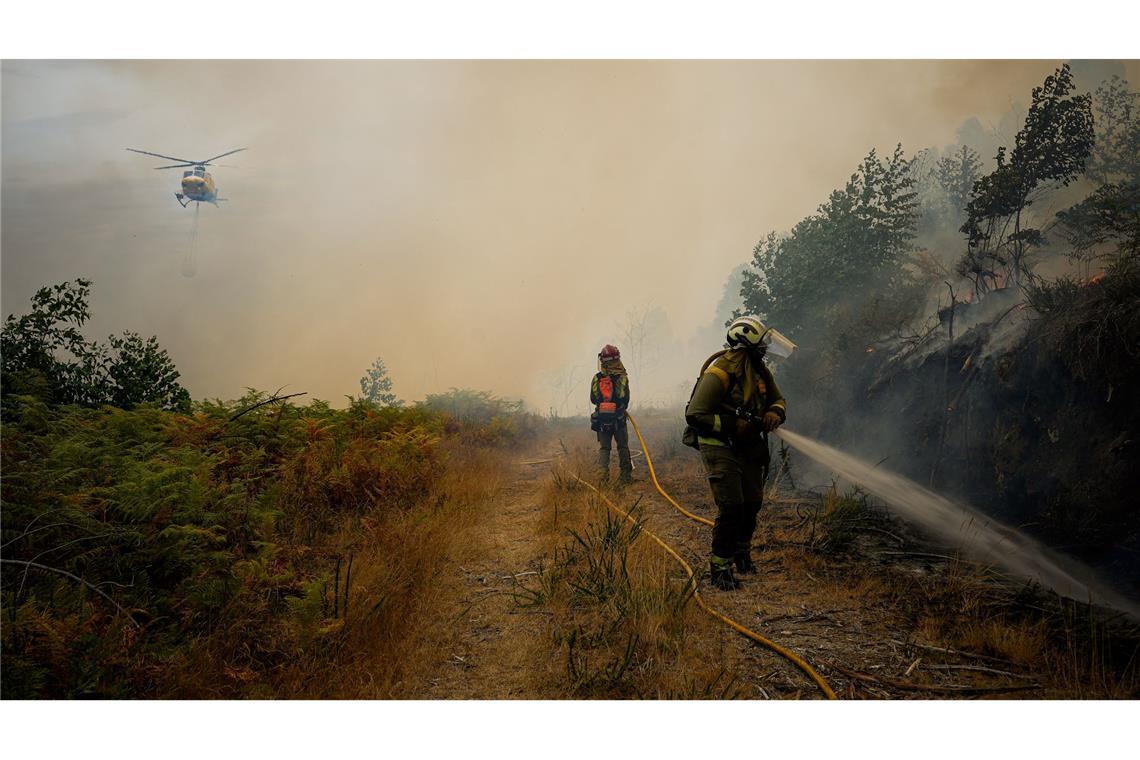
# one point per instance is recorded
(1022, 643)
(1071, 650)
(396, 596)
(618, 612)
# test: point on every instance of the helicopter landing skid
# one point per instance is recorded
(180, 198)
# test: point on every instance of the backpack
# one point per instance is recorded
(605, 412)
(689, 435)
(607, 407)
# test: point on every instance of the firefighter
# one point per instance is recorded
(734, 405)
(609, 393)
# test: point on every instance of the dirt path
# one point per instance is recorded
(484, 655)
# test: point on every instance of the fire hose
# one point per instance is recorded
(767, 643)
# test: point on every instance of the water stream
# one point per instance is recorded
(963, 526)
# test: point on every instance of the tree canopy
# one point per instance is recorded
(860, 237)
(376, 385)
(46, 355)
(1051, 148)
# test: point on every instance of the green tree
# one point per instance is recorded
(1106, 224)
(43, 352)
(1116, 155)
(1050, 149)
(957, 174)
(859, 238)
(141, 372)
(45, 355)
(376, 385)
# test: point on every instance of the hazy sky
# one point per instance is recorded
(476, 224)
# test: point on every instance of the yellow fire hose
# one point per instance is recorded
(787, 654)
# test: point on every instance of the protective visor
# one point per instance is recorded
(777, 344)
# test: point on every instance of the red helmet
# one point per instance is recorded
(609, 352)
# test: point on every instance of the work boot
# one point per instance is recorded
(743, 562)
(625, 479)
(603, 466)
(720, 574)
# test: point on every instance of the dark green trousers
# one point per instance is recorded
(736, 476)
(606, 436)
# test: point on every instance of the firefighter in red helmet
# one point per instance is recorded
(609, 393)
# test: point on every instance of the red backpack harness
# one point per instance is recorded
(607, 407)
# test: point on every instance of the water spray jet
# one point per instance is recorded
(960, 524)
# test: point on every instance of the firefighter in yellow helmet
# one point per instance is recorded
(734, 405)
(609, 393)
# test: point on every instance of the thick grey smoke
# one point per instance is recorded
(478, 224)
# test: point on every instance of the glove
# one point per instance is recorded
(771, 421)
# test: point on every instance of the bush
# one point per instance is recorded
(619, 616)
(45, 355)
(1090, 327)
(481, 418)
(166, 549)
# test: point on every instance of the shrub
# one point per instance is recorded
(481, 418)
(620, 617)
(45, 355)
(165, 546)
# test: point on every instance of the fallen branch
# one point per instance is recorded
(901, 685)
(930, 555)
(947, 650)
(791, 500)
(24, 579)
(74, 577)
(516, 576)
(978, 669)
(885, 533)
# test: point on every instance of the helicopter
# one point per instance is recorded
(197, 184)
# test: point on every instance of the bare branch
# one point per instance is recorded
(269, 400)
(59, 571)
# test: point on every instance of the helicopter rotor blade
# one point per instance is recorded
(208, 160)
(159, 155)
(175, 166)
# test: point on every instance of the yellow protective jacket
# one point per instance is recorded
(730, 378)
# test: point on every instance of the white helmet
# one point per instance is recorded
(746, 331)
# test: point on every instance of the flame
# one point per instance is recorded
(1096, 277)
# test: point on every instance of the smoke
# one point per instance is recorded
(477, 224)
